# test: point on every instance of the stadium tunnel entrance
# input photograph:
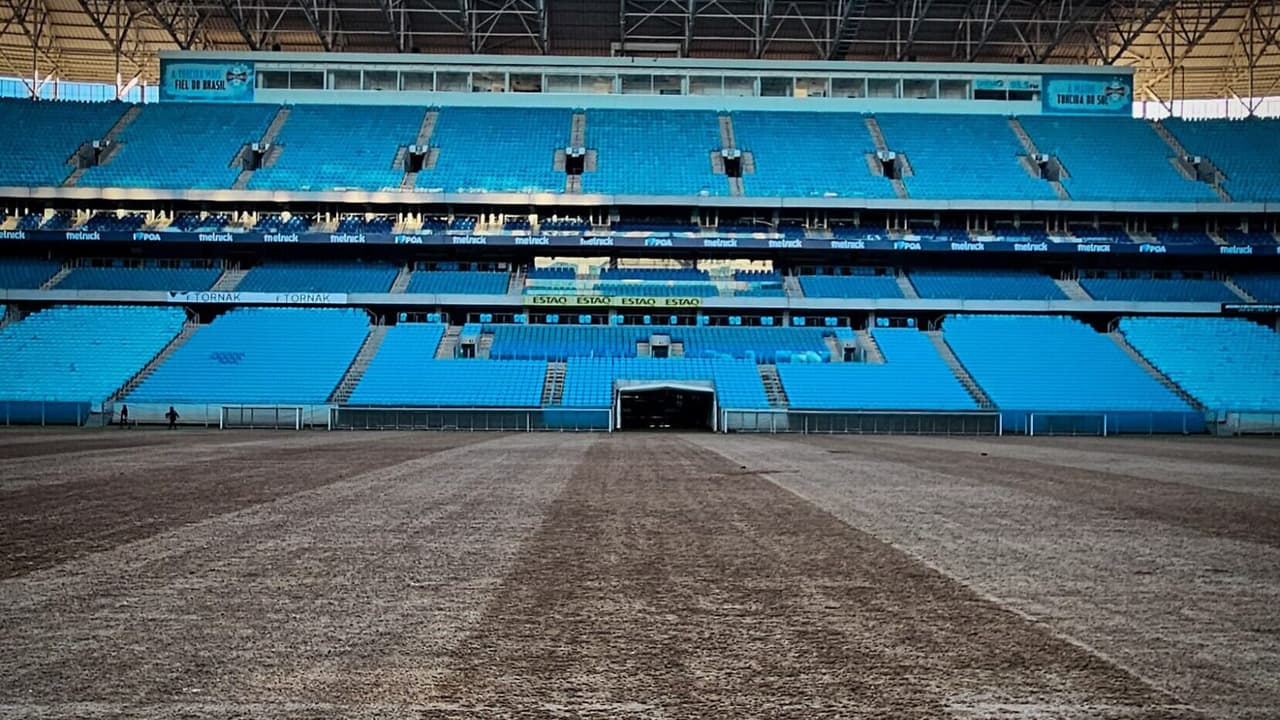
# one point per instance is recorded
(665, 405)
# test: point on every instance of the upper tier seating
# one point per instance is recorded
(1143, 173)
(1225, 363)
(1246, 150)
(589, 382)
(139, 278)
(1263, 287)
(653, 289)
(40, 137)
(23, 274)
(962, 156)
(81, 353)
(1253, 237)
(260, 355)
(808, 154)
(405, 372)
(498, 150)
(1048, 363)
(1185, 238)
(653, 152)
(850, 286)
(465, 282)
(985, 285)
(560, 342)
(913, 377)
(346, 277)
(326, 147)
(1150, 289)
(182, 145)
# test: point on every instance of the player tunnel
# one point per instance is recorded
(665, 405)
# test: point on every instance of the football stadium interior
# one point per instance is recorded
(785, 308)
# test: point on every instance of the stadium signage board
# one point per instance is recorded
(1267, 308)
(611, 301)
(1087, 95)
(907, 244)
(206, 80)
(257, 298)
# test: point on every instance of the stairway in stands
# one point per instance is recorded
(359, 365)
(958, 369)
(1029, 161)
(773, 386)
(873, 165)
(423, 138)
(791, 284)
(904, 284)
(229, 279)
(401, 283)
(553, 384)
(268, 141)
(1186, 169)
(110, 142)
(188, 329)
(448, 348)
(1241, 292)
(870, 348)
(1123, 343)
(515, 285)
(1072, 289)
(52, 282)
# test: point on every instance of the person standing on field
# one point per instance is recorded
(172, 417)
(124, 416)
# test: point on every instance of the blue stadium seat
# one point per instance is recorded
(260, 356)
(347, 277)
(985, 285)
(1245, 150)
(1228, 364)
(850, 286)
(139, 278)
(1264, 287)
(462, 282)
(22, 274)
(589, 382)
(497, 150)
(1152, 289)
(40, 137)
(808, 154)
(653, 152)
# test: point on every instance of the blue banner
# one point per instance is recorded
(206, 81)
(1088, 95)
(904, 244)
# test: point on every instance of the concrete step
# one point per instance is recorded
(908, 290)
(229, 280)
(359, 364)
(578, 130)
(870, 348)
(1123, 343)
(448, 348)
(188, 329)
(726, 131)
(1027, 143)
(553, 384)
(483, 345)
(1072, 289)
(773, 386)
(791, 284)
(1239, 291)
(52, 282)
(515, 286)
(958, 369)
(877, 136)
(401, 283)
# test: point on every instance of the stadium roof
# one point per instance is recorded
(1180, 48)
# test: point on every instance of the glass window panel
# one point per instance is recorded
(453, 82)
(306, 79)
(849, 87)
(483, 82)
(920, 88)
(953, 89)
(812, 87)
(775, 87)
(739, 86)
(706, 85)
(418, 81)
(380, 80)
(597, 84)
(668, 84)
(637, 84)
(884, 88)
(526, 82)
(274, 79)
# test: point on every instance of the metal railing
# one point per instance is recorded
(348, 417)
(861, 422)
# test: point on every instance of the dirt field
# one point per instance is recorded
(421, 575)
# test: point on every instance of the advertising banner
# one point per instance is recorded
(1088, 95)
(611, 301)
(257, 298)
(206, 81)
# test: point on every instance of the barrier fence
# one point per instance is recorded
(861, 423)
(347, 417)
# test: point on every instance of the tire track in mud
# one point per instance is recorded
(666, 582)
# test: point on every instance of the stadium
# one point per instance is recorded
(562, 359)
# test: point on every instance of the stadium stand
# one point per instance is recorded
(260, 355)
(857, 285)
(808, 154)
(562, 342)
(278, 224)
(79, 354)
(40, 138)
(1245, 150)
(113, 222)
(326, 147)
(1227, 364)
(1187, 238)
(498, 150)
(471, 282)
(640, 288)
(1253, 237)
(1156, 289)
(589, 381)
(913, 377)
(1052, 364)
(150, 277)
(347, 277)
(182, 145)
(1145, 174)
(404, 372)
(1264, 287)
(985, 285)
(962, 156)
(22, 274)
(653, 152)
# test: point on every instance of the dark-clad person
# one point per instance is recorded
(124, 416)
(172, 417)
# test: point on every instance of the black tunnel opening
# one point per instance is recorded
(667, 409)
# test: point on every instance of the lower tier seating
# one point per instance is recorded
(20, 274)
(81, 353)
(850, 286)
(405, 372)
(913, 377)
(589, 381)
(1262, 286)
(260, 356)
(1151, 289)
(1049, 363)
(1225, 363)
(468, 282)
